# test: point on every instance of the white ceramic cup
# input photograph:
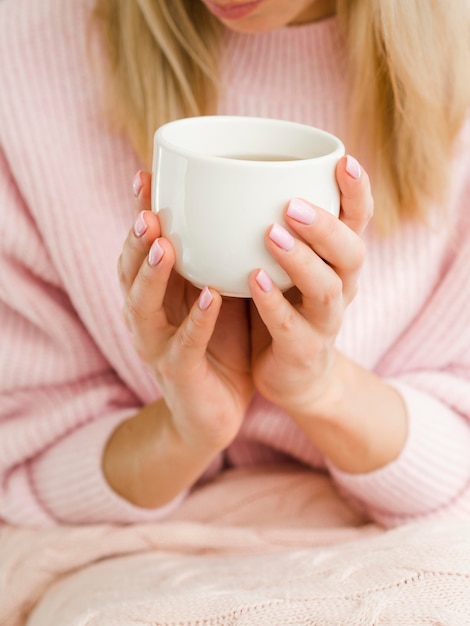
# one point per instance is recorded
(217, 187)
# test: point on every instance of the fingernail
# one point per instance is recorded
(264, 281)
(140, 225)
(155, 253)
(205, 299)
(281, 237)
(301, 211)
(352, 167)
(137, 184)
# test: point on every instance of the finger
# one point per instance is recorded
(287, 327)
(320, 285)
(189, 343)
(259, 334)
(136, 248)
(331, 239)
(357, 205)
(143, 307)
(142, 188)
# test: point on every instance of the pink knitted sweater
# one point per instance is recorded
(68, 372)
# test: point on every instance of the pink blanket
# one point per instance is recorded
(259, 546)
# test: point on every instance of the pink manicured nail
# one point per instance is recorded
(352, 167)
(155, 253)
(281, 237)
(264, 281)
(137, 184)
(205, 299)
(301, 211)
(140, 225)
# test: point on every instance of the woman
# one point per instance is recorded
(363, 370)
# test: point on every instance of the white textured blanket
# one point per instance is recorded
(269, 546)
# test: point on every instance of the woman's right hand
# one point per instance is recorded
(195, 343)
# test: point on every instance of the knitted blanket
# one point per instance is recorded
(268, 546)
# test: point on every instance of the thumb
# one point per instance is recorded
(189, 343)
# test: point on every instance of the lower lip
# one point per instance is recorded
(234, 11)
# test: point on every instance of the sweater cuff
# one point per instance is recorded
(69, 481)
(429, 474)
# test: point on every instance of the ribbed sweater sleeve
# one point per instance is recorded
(60, 398)
(429, 364)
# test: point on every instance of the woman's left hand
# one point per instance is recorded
(293, 334)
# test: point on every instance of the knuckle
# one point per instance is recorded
(145, 279)
(188, 332)
(328, 227)
(332, 291)
(132, 312)
(287, 321)
(307, 355)
(121, 271)
(184, 338)
(131, 319)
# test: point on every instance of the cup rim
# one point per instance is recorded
(161, 138)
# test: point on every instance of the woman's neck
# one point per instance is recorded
(316, 11)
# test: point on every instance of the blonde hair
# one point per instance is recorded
(407, 98)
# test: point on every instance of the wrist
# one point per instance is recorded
(359, 423)
(146, 461)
